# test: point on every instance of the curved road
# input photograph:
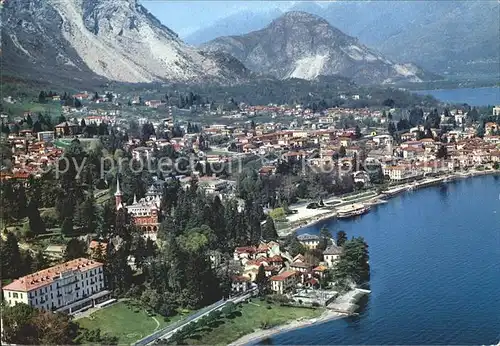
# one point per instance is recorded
(168, 331)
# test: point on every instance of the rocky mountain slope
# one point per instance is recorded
(454, 37)
(115, 40)
(301, 45)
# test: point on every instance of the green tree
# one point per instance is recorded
(35, 222)
(341, 238)
(353, 263)
(11, 257)
(269, 230)
(39, 262)
(442, 152)
(41, 97)
(325, 238)
(17, 325)
(99, 253)
(294, 246)
(67, 226)
(480, 130)
(87, 214)
(358, 132)
(118, 271)
(391, 128)
(75, 249)
(342, 151)
(54, 328)
(261, 280)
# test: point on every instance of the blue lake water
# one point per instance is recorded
(471, 96)
(435, 264)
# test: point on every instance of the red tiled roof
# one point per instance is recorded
(283, 276)
(276, 258)
(320, 268)
(245, 249)
(47, 276)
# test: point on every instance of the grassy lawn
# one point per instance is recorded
(251, 316)
(125, 321)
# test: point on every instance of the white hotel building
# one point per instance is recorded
(66, 287)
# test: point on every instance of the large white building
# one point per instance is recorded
(66, 287)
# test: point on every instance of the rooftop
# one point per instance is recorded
(307, 236)
(47, 276)
(283, 276)
(333, 250)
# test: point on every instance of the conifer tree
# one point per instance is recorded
(36, 224)
(269, 230)
(261, 280)
(11, 257)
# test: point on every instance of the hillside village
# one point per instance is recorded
(253, 168)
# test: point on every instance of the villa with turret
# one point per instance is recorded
(145, 211)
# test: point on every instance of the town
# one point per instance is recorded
(176, 213)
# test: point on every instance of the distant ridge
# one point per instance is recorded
(302, 45)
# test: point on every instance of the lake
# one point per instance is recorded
(435, 267)
(471, 96)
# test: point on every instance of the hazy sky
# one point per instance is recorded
(184, 17)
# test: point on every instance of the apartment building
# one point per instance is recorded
(66, 287)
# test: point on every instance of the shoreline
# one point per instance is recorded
(344, 305)
(261, 334)
(382, 198)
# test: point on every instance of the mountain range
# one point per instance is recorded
(115, 40)
(119, 40)
(305, 46)
(456, 38)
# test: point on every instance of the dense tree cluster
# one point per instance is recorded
(317, 95)
(25, 325)
(353, 264)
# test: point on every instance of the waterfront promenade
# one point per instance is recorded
(308, 217)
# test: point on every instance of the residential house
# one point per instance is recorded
(240, 284)
(244, 253)
(66, 128)
(301, 267)
(332, 254)
(283, 282)
(320, 271)
(309, 240)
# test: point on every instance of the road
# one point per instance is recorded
(168, 331)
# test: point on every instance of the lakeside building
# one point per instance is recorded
(310, 241)
(67, 287)
(332, 254)
(283, 282)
